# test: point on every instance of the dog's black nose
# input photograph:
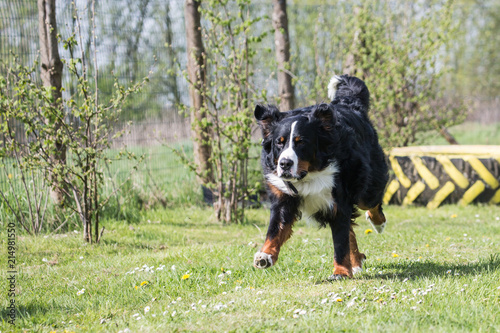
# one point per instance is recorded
(286, 164)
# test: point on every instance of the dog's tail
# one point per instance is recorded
(348, 90)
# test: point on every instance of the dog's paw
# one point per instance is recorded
(357, 270)
(379, 228)
(336, 277)
(357, 266)
(262, 260)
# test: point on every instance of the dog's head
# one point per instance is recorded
(290, 144)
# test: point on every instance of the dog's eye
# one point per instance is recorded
(298, 140)
(280, 142)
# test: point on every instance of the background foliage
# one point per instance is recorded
(136, 37)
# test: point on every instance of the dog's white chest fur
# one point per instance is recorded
(315, 189)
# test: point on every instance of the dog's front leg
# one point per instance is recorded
(283, 216)
(341, 226)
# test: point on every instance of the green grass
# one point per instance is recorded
(445, 277)
(469, 133)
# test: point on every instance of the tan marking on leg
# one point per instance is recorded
(377, 217)
(275, 190)
(344, 268)
(356, 257)
(273, 246)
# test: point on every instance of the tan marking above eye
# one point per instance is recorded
(297, 139)
(282, 139)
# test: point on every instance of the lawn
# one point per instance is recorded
(179, 270)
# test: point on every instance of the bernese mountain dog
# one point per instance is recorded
(323, 162)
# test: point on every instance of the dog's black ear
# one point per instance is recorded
(323, 113)
(266, 117)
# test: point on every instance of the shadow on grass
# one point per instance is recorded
(415, 269)
(30, 310)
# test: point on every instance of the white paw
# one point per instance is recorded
(379, 228)
(262, 260)
(357, 270)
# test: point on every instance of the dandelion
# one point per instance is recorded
(10, 176)
(298, 261)
(80, 292)
(453, 216)
(447, 238)
(427, 245)
(338, 299)
(143, 283)
(146, 309)
(185, 277)
(395, 255)
(368, 231)
(136, 287)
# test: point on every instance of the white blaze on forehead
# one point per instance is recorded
(289, 153)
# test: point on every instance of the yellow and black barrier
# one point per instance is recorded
(433, 175)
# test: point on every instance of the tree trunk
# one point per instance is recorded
(196, 73)
(51, 74)
(282, 43)
(448, 136)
